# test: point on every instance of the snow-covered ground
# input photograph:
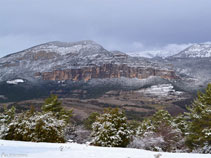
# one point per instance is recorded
(16, 81)
(162, 90)
(14, 149)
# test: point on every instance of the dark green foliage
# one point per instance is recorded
(133, 125)
(199, 117)
(205, 98)
(9, 113)
(111, 129)
(36, 127)
(199, 122)
(52, 104)
(46, 126)
(90, 120)
(181, 122)
(5, 119)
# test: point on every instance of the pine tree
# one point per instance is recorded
(36, 127)
(5, 119)
(111, 129)
(52, 104)
(205, 98)
(90, 120)
(199, 117)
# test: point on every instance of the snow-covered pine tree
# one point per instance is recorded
(5, 119)
(205, 98)
(52, 104)
(111, 129)
(36, 127)
(199, 134)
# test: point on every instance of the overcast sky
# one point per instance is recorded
(126, 25)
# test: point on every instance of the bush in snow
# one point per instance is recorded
(36, 127)
(77, 134)
(111, 129)
(150, 141)
(158, 134)
(5, 119)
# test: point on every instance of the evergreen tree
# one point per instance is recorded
(205, 98)
(181, 123)
(52, 104)
(5, 119)
(36, 127)
(111, 129)
(90, 120)
(199, 117)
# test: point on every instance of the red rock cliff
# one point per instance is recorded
(106, 71)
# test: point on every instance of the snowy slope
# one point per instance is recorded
(15, 149)
(145, 54)
(196, 51)
(60, 56)
(162, 52)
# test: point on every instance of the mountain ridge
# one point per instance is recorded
(195, 51)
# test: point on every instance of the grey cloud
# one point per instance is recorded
(116, 24)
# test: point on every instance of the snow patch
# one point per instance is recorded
(161, 90)
(16, 81)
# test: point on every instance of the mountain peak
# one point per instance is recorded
(58, 48)
(70, 44)
(195, 51)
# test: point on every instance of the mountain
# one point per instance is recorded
(87, 76)
(75, 61)
(163, 52)
(145, 54)
(194, 64)
(195, 51)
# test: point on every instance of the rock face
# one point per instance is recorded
(106, 71)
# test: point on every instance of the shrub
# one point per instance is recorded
(159, 133)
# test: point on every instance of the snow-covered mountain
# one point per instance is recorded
(145, 54)
(194, 63)
(61, 65)
(195, 51)
(53, 56)
(85, 65)
(163, 52)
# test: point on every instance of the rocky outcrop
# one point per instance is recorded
(106, 71)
